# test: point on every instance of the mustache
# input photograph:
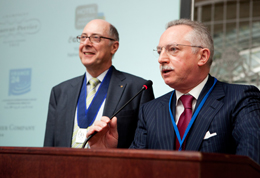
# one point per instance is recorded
(166, 67)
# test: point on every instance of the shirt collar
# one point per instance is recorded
(100, 77)
(195, 92)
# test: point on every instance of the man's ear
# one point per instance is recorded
(204, 55)
(114, 47)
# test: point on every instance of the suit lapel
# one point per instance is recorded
(72, 97)
(205, 116)
(116, 88)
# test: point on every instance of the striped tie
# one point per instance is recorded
(92, 91)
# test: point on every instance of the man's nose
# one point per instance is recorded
(87, 41)
(163, 57)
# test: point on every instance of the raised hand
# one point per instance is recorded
(107, 136)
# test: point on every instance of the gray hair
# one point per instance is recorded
(200, 35)
(113, 32)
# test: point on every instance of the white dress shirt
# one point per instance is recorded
(195, 92)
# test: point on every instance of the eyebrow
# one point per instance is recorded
(166, 45)
(91, 34)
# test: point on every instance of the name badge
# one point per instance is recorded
(81, 135)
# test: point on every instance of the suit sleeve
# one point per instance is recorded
(50, 124)
(140, 133)
(246, 130)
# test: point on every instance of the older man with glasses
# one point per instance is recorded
(75, 104)
(201, 113)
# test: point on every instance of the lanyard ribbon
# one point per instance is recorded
(86, 116)
(193, 117)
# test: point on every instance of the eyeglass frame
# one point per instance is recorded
(79, 38)
(156, 50)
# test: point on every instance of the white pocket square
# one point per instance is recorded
(208, 135)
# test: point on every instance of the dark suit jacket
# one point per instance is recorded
(63, 102)
(232, 111)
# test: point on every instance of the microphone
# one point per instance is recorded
(146, 85)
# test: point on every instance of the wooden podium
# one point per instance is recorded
(121, 163)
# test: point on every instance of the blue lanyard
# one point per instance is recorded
(193, 117)
(86, 117)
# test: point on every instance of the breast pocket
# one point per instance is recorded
(219, 143)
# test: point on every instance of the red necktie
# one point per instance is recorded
(185, 118)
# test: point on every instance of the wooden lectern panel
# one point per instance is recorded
(121, 163)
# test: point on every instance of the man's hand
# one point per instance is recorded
(107, 136)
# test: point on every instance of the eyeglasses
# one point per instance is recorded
(92, 38)
(171, 49)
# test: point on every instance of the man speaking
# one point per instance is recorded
(201, 113)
